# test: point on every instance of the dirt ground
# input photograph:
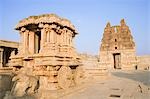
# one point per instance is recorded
(119, 85)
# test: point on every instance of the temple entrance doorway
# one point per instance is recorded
(117, 60)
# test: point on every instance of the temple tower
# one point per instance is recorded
(117, 50)
(46, 50)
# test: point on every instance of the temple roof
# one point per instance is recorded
(45, 18)
(4, 43)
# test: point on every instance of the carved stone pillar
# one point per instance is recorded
(31, 42)
(67, 38)
(20, 48)
(43, 37)
(48, 36)
(61, 38)
(71, 39)
(21, 43)
(58, 35)
(52, 34)
(64, 37)
(55, 36)
(26, 42)
(1, 57)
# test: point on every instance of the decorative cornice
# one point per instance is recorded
(45, 18)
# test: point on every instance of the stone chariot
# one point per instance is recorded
(46, 51)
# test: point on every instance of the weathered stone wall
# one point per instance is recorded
(143, 62)
(93, 67)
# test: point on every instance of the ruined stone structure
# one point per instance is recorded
(92, 67)
(117, 50)
(6, 47)
(46, 52)
(143, 62)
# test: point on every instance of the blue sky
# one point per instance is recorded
(88, 16)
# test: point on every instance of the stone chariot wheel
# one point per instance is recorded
(79, 75)
(64, 77)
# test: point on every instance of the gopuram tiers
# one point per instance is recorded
(47, 51)
(117, 50)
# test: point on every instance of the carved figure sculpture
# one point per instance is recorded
(24, 84)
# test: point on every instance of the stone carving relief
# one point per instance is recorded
(24, 84)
